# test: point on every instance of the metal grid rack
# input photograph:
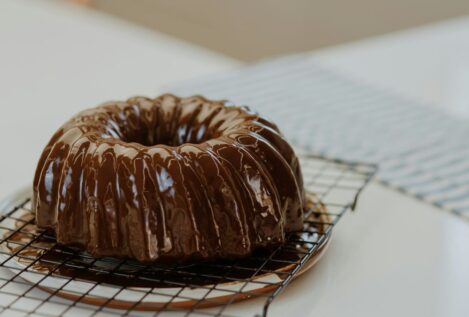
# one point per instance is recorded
(40, 278)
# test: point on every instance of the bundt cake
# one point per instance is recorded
(168, 179)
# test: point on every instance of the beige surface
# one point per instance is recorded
(250, 30)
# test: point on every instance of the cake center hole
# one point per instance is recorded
(169, 135)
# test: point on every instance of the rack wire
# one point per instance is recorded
(38, 277)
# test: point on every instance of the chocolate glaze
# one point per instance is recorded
(168, 179)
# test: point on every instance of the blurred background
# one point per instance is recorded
(249, 30)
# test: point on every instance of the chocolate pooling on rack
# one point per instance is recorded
(39, 251)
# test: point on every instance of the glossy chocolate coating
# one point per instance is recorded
(169, 179)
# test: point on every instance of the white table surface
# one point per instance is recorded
(394, 257)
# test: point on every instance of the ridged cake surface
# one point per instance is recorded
(168, 179)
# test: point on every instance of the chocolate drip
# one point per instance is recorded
(168, 179)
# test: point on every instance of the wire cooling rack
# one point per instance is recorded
(40, 278)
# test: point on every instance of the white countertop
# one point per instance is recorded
(394, 256)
